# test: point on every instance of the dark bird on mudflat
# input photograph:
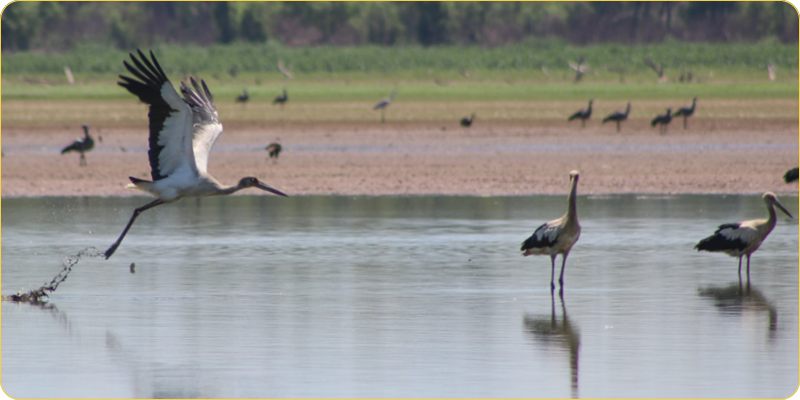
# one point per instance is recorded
(81, 145)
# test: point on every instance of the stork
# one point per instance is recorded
(663, 120)
(583, 114)
(557, 236)
(466, 122)
(281, 99)
(743, 238)
(182, 132)
(81, 145)
(274, 150)
(243, 98)
(618, 116)
(686, 112)
(791, 175)
(381, 105)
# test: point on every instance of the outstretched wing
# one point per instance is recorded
(170, 116)
(206, 127)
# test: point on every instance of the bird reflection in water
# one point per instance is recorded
(737, 299)
(559, 334)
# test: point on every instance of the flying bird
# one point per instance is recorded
(466, 122)
(663, 120)
(182, 132)
(244, 97)
(557, 236)
(381, 105)
(81, 145)
(618, 116)
(743, 238)
(284, 71)
(281, 99)
(274, 150)
(583, 114)
(686, 112)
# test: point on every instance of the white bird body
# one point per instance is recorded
(557, 236)
(743, 238)
(182, 132)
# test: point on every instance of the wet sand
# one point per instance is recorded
(489, 159)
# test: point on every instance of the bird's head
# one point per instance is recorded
(574, 175)
(250, 181)
(85, 128)
(771, 199)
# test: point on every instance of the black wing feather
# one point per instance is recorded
(536, 243)
(718, 242)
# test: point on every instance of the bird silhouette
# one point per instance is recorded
(583, 114)
(618, 116)
(686, 112)
(81, 145)
(663, 120)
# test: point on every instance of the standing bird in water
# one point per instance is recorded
(274, 150)
(686, 112)
(182, 132)
(244, 97)
(584, 114)
(557, 236)
(467, 122)
(791, 175)
(618, 116)
(81, 145)
(663, 120)
(281, 99)
(743, 238)
(381, 105)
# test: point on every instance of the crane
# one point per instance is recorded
(618, 116)
(686, 112)
(583, 114)
(741, 239)
(791, 175)
(663, 120)
(381, 105)
(243, 98)
(466, 122)
(281, 99)
(182, 132)
(81, 145)
(557, 236)
(274, 150)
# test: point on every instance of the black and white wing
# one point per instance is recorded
(543, 237)
(170, 117)
(206, 127)
(729, 237)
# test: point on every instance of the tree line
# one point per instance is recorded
(57, 26)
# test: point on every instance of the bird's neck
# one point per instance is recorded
(572, 211)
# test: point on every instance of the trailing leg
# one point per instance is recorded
(136, 213)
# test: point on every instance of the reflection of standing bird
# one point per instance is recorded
(467, 122)
(81, 145)
(281, 99)
(243, 98)
(743, 238)
(686, 112)
(383, 104)
(182, 132)
(584, 114)
(557, 236)
(618, 116)
(663, 120)
(274, 150)
(791, 175)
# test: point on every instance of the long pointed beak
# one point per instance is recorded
(780, 206)
(270, 189)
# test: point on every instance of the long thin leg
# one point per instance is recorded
(83, 159)
(552, 273)
(740, 267)
(748, 268)
(563, 264)
(136, 213)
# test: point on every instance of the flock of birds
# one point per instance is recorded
(184, 127)
(662, 120)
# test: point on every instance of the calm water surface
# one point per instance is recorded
(259, 296)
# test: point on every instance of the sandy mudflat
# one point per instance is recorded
(747, 156)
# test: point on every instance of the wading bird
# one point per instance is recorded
(583, 114)
(244, 97)
(618, 116)
(281, 99)
(381, 105)
(466, 122)
(686, 112)
(81, 145)
(557, 236)
(274, 150)
(791, 175)
(182, 132)
(663, 120)
(743, 238)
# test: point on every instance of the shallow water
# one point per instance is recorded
(260, 296)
